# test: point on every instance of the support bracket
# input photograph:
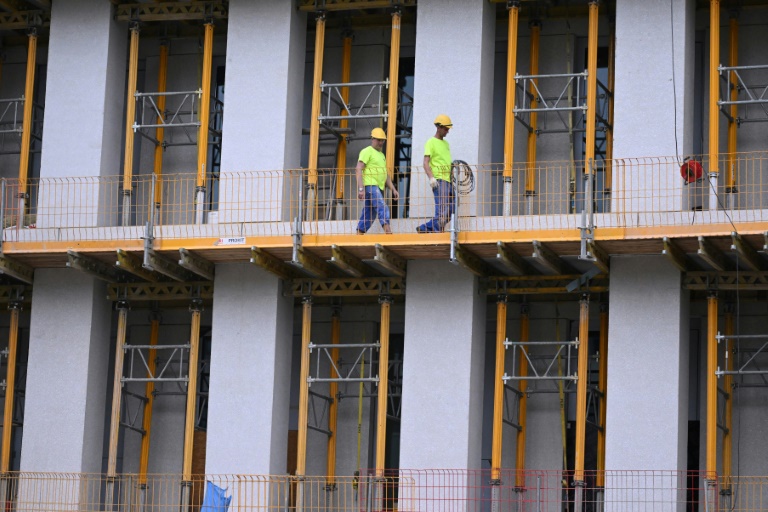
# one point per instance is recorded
(513, 261)
(311, 263)
(348, 263)
(548, 258)
(93, 267)
(747, 253)
(677, 256)
(272, 264)
(16, 269)
(157, 263)
(471, 261)
(388, 261)
(712, 255)
(133, 265)
(196, 264)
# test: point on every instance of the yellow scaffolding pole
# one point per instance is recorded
(10, 389)
(509, 115)
(711, 447)
(589, 150)
(392, 106)
(609, 133)
(314, 125)
(522, 414)
(204, 111)
(728, 385)
(130, 118)
(301, 441)
(581, 389)
(150, 400)
(714, 89)
(162, 80)
(26, 129)
(117, 393)
(498, 389)
(381, 412)
(341, 150)
(189, 418)
(730, 172)
(603, 387)
(333, 408)
(530, 175)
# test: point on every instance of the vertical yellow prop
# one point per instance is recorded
(498, 388)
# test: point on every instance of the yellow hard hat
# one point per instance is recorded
(378, 133)
(443, 120)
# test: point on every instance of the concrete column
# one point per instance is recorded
(453, 76)
(262, 125)
(647, 366)
(250, 386)
(443, 368)
(67, 373)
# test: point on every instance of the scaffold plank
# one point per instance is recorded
(160, 291)
(348, 5)
(172, 11)
(355, 287)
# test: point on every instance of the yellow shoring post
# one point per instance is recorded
(603, 387)
(26, 127)
(498, 389)
(522, 414)
(381, 412)
(195, 309)
(314, 125)
(301, 441)
(530, 174)
(150, 400)
(392, 105)
(609, 134)
(728, 385)
(333, 408)
(130, 118)
(162, 81)
(204, 111)
(711, 446)
(581, 390)
(509, 115)
(117, 392)
(10, 389)
(341, 151)
(589, 150)
(730, 172)
(714, 90)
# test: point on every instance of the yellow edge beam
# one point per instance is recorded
(498, 389)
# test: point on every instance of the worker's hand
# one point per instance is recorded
(360, 194)
(395, 194)
(433, 183)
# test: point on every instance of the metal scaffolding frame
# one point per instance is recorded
(12, 126)
(751, 97)
(184, 116)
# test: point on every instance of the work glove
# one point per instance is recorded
(433, 183)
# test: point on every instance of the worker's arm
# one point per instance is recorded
(359, 174)
(428, 170)
(391, 187)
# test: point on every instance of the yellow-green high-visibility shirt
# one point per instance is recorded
(375, 170)
(439, 153)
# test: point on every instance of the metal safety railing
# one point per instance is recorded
(643, 193)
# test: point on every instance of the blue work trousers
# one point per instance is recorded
(374, 206)
(443, 208)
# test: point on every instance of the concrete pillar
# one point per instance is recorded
(67, 373)
(453, 76)
(647, 366)
(248, 402)
(262, 125)
(442, 411)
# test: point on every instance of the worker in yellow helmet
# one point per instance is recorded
(372, 176)
(437, 165)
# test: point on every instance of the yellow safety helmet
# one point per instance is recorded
(443, 120)
(378, 133)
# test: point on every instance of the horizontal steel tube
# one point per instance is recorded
(352, 84)
(540, 343)
(556, 75)
(152, 94)
(343, 345)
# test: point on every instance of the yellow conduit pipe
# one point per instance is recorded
(581, 389)
(162, 80)
(522, 414)
(509, 115)
(117, 388)
(301, 441)
(314, 125)
(341, 150)
(333, 408)
(730, 172)
(728, 386)
(10, 388)
(589, 150)
(530, 176)
(603, 387)
(392, 105)
(711, 445)
(26, 129)
(714, 89)
(498, 388)
(130, 118)
(189, 419)
(611, 86)
(149, 403)
(381, 411)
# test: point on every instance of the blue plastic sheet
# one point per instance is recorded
(216, 499)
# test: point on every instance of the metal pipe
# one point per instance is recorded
(381, 412)
(314, 126)
(162, 81)
(589, 149)
(498, 390)
(333, 406)
(189, 419)
(581, 389)
(609, 134)
(728, 385)
(602, 386)
(150, 400)
(530, 176)
(711, 446)
(130, 119)
(714, 89)
(509, 115)
(117, 388)
(10, 389)
(204, 112)
(522, 412)
(341, 150)
(26, 130)
(394, 78)
(730, 172)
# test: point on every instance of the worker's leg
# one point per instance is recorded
(383, 211)
(368, 215)
(433, 225)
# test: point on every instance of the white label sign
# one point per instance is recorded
(238, 240)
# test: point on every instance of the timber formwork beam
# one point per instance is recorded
(531, 285)
(746, 253)
(16, 269)
(388, 261)
(471, 261)
(349, 5)
(196, 264)
(713, 255)
(348, 263)
(548, 258)
(93, 267)
(677, 256)
(512, 261)
(133, 265)
(160, 291)
(157, 263)
(272, 263)
(362, 287)
(741, 281)
(172, 11)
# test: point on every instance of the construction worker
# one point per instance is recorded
(372, 176)
(437, 165)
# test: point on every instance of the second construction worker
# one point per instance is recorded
(372, 176)
(437, 165)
